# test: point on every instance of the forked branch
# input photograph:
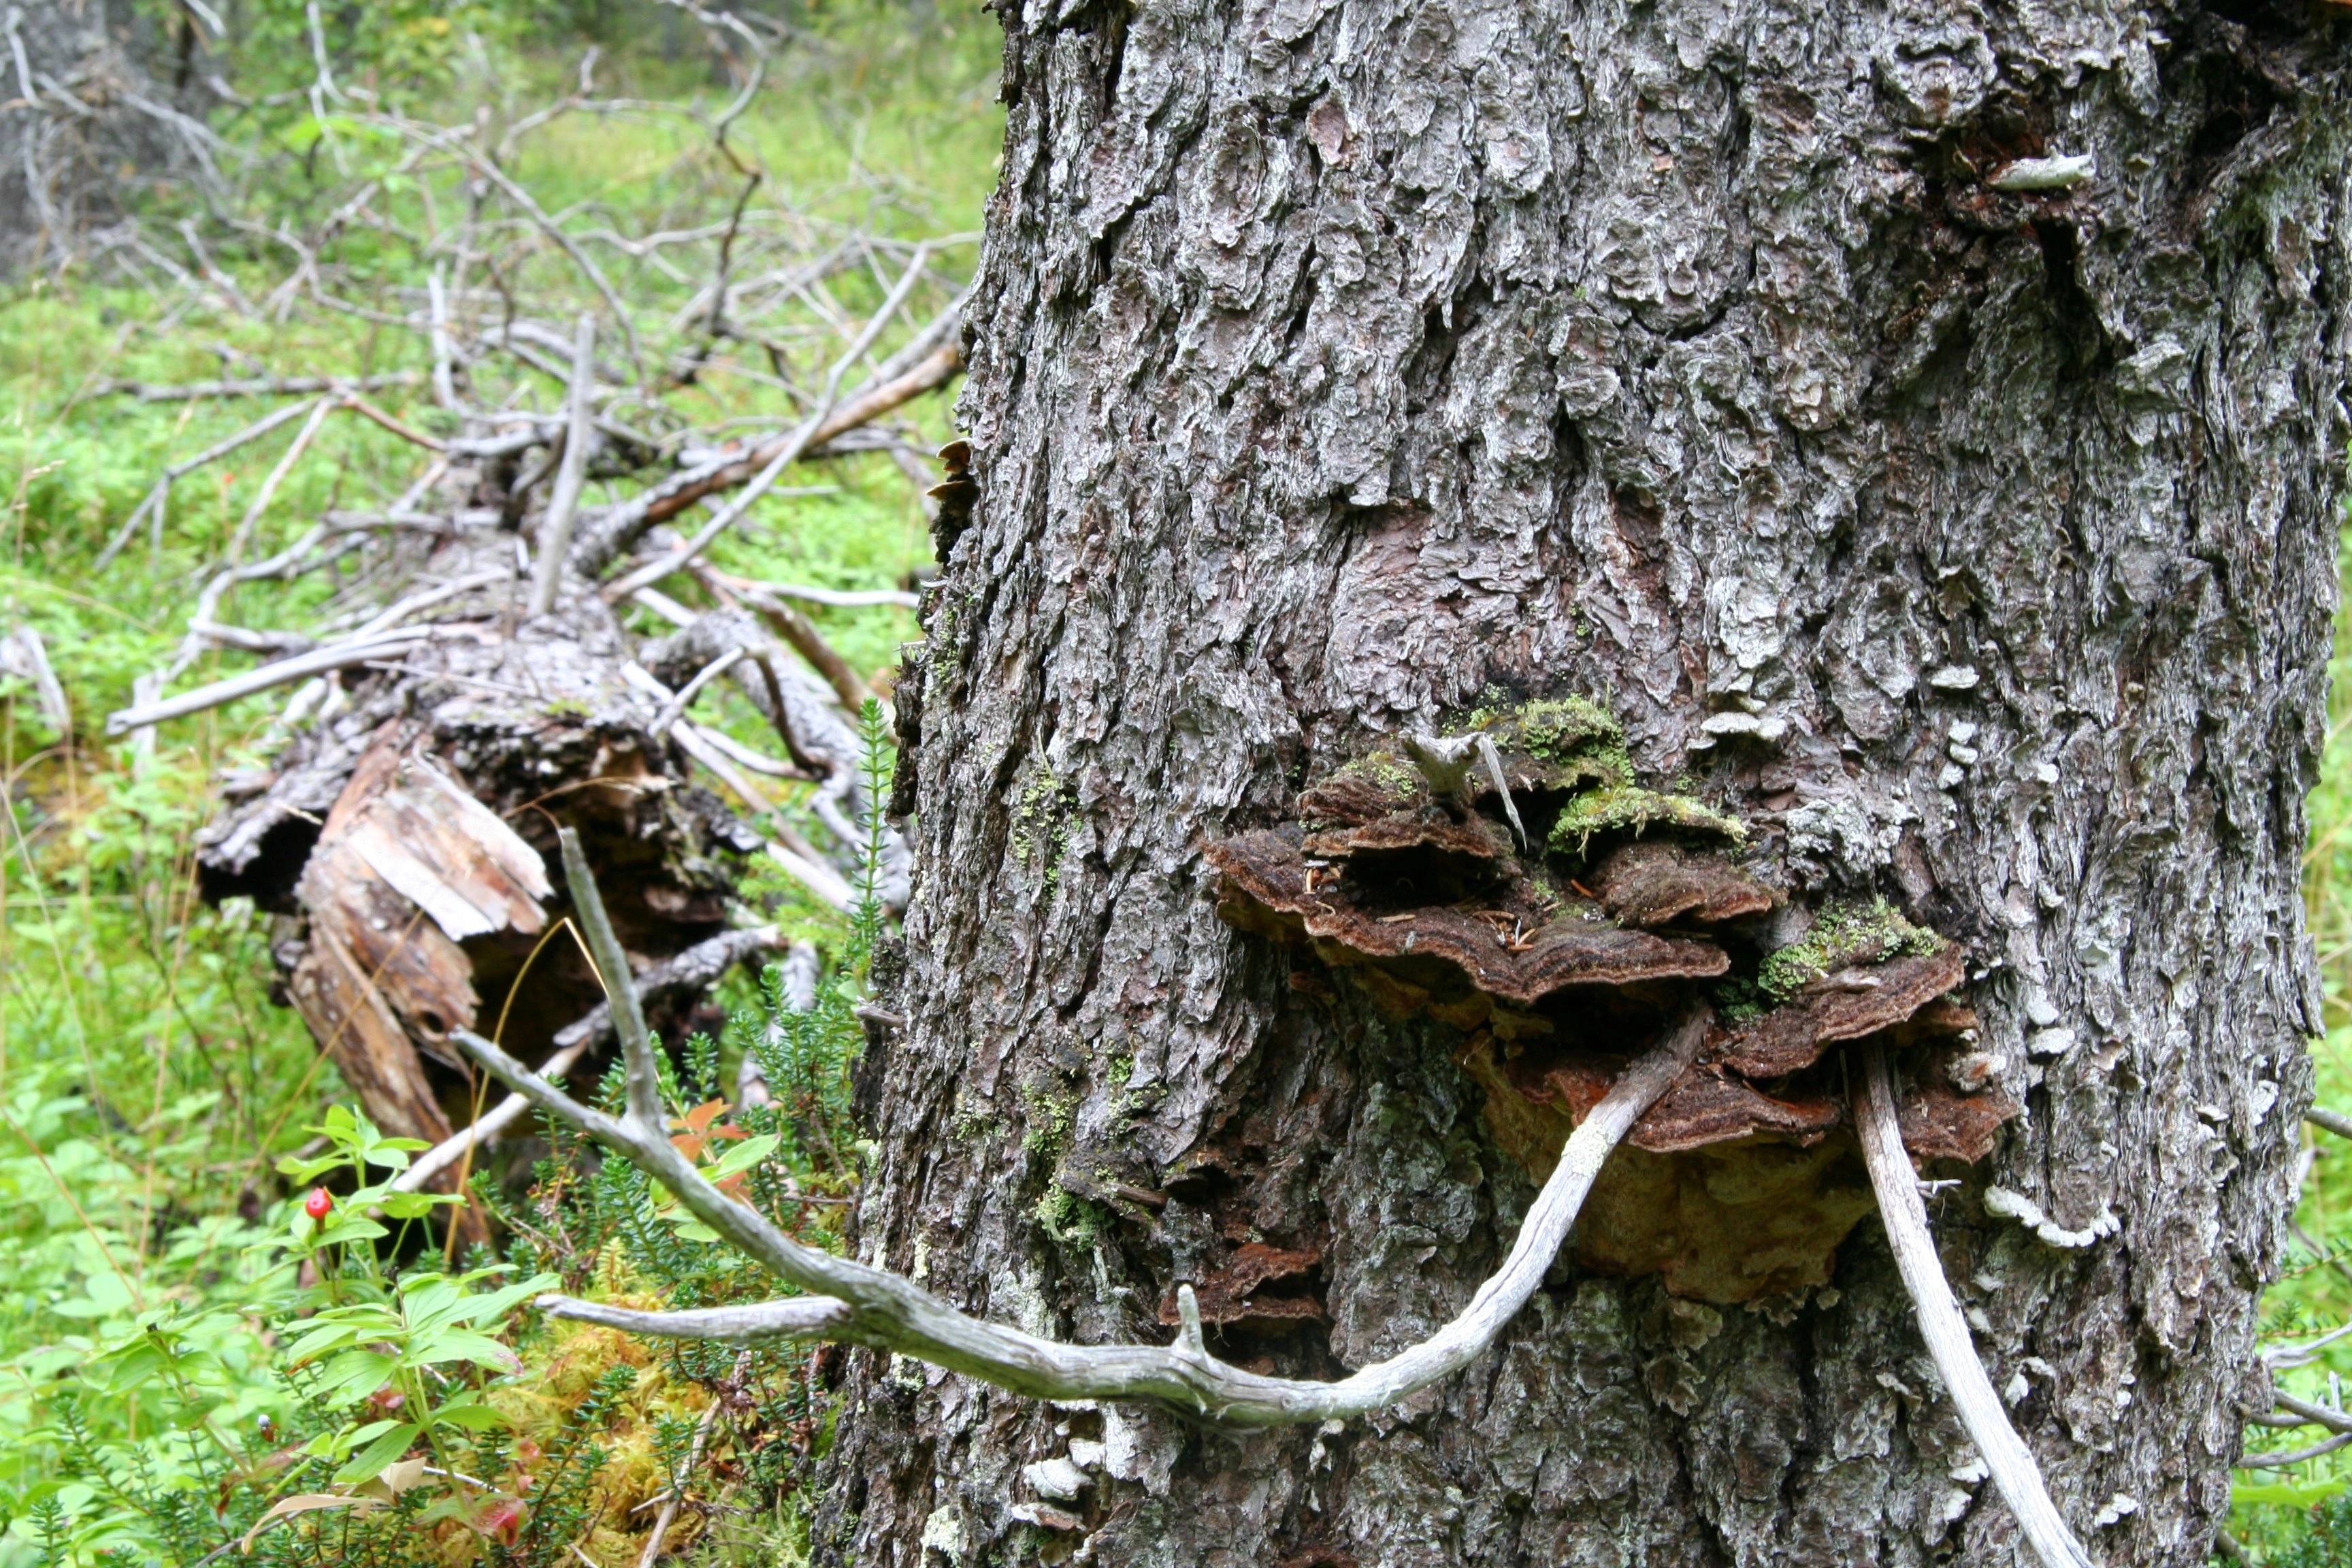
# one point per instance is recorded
(2013, 1465)
(863, 1305)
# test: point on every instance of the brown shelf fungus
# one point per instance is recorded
(1517, 882)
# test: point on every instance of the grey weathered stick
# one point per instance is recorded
(2312, 1415)
(2329, 1120)
(342, 655)
(2014, 1470)
(277, 476)
(838, 597)
(810, 432)
(445, 383)
(555, 530)
(156, 497)
(2279, 1461)
(253, 386)
(888, 1311)
(675, 708)
(795, 1317)
(484, 1129)
(24, 656)
(788, 623)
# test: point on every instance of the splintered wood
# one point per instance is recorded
(408, 866)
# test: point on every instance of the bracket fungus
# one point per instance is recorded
(1560, 961)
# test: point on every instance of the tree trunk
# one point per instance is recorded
(1335, 364)
(98, 100)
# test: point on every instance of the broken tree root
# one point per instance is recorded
(852, 1302)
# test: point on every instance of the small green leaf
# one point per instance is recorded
(370, 1461)
(744, 1155)
(472, 1417)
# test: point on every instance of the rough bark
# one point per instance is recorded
(1336, 359)
(94, 103)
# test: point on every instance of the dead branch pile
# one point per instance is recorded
(517, 640)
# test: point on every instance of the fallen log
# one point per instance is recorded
(471, 690)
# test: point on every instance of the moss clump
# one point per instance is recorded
(1374, 786)
(1042, 815)
(1628, 808)
(1559, 743)
(1069, 1219)
(1845, 933)
(1050, 1118)
(1558, 728)
(1740, 1000)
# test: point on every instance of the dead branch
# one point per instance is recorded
(840, 598)
(2329, 1121)
(800, 633)
(253, 386)
(26, 657)
(156, 497)
(689, 974)
(555, 531)
(320, 661)
(863, 1305)
(620, 529)
(2015, 1472)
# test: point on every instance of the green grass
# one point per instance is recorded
(149, 1088)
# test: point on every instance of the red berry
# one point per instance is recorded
(319, 1204)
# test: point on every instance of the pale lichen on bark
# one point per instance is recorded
(1334, 360)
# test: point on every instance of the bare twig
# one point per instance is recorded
(840, 598)
(370, 412)
(2329, 1121)
(815, 875)
(798, 630)
(157, 498)
(555, 531)
(2279, 1461)
(675, 710)
(2311, 1415)
(26, 657)
(877, 1308)
(277, 476)
(775, 458)
(342, 655)
(744, 757)
(253, 386)
(485, 1129)
(445, 383)
(668, 1515)
(2014, 1469)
